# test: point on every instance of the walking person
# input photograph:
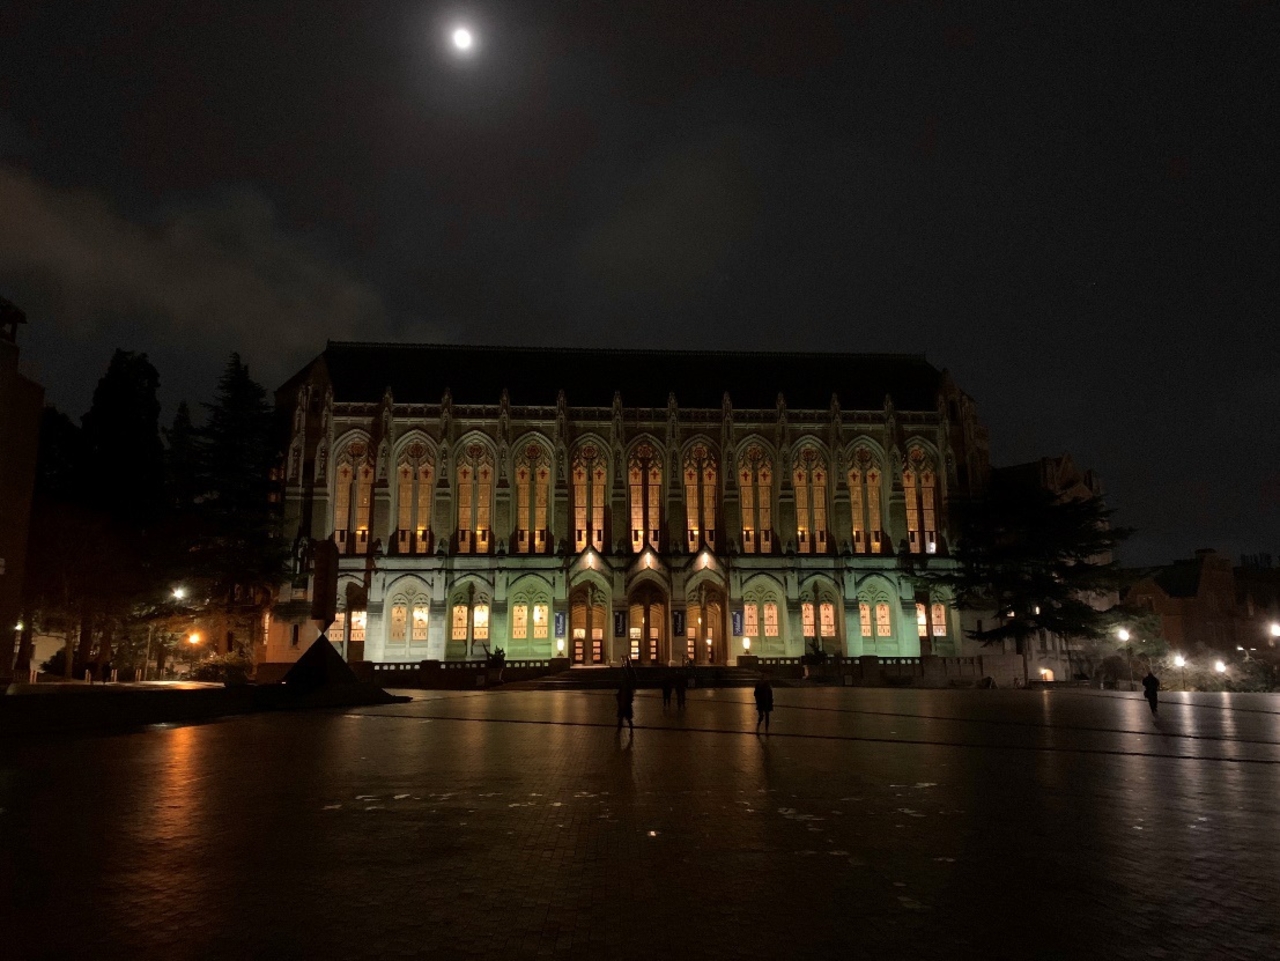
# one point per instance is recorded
(666, 691)
(1151, 691)
(626, 696)
(764, 704)
(682, 688)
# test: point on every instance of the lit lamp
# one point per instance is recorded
(1220, 667)
(179, 593)
(559, 645)
(1275, 630)
(1179, 661)
(746, 644)
(193, 638)
(1123, 634)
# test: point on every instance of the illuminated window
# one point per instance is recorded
(809, 475)
(922, 620)
(459, 622)
(480, 622)
(519, 622)
(864, 499)
(939, 620)
(590, 471)
(533, 486)
(750, 620)
(399, 624)
(770, 619)
(420, 618)
(864, 618)
(475, 491)
(806, 618)
(541, 617)
(644, 474)
(755, 486)
(358, 621)
(827, 619)
(700, 497)
(919, 487)
(884, 627)
(353, 498)
(413, 499)
(337, 632)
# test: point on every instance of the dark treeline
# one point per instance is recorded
(142, 536)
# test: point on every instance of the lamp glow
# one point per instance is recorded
(1220, 667)
(746, 644)
(1179, 661)
(1275, 628)
(1123, 634)
(179, 593)
(463, 39)
(193, 638)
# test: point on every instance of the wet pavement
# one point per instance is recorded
(869, 823)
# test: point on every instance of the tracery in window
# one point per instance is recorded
(755, 488)
(644, 476)
(700, 497)
(884, 624)
(864, 618)
(919, 487)
(590, 472)
(864, 499)
(939, 619)
(809, 475)
(475, 499)
(353, 498)
(413, 499)
(533, 494)
(760, 619)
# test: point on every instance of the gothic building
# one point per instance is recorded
(598, 504)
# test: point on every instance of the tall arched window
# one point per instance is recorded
(700, 496)
(809, 474)
(468, 624)
(644, 476)
(761, 620)
(755, 487)
(530, 624)
(407, 625)
(533, 493)
(875, 621)
(590, 472)
(475, 497)
(352, 498)
(864, 497)
(919, 486)
(413, 493)
(819, 619)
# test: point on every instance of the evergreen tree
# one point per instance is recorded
(1037, 562)
(238, 455)
(182, 462)
(122, 435)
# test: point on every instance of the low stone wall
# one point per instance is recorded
(455, 675)
(1004, 670)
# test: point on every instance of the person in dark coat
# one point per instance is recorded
(682, 687)
(1151, 689)
(626, 696)
(764, 703)
(666, 691)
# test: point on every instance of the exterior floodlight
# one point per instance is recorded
(1220, 667)
(463, 39)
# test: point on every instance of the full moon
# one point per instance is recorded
(462, 39)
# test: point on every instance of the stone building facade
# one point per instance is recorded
(599, 504)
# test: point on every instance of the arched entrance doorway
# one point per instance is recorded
(647, 639)
(705, 627)
(586, 625)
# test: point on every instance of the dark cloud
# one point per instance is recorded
(221, 275)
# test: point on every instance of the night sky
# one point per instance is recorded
(1071, 206)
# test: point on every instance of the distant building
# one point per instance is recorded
(1204, 603)
(602, 504)
(21, 400)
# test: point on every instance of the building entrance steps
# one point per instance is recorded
(601, 678)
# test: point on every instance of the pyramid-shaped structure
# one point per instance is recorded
(320, 666)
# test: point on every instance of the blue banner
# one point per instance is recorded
(736, 618)
(619, 624)
(562, 624)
